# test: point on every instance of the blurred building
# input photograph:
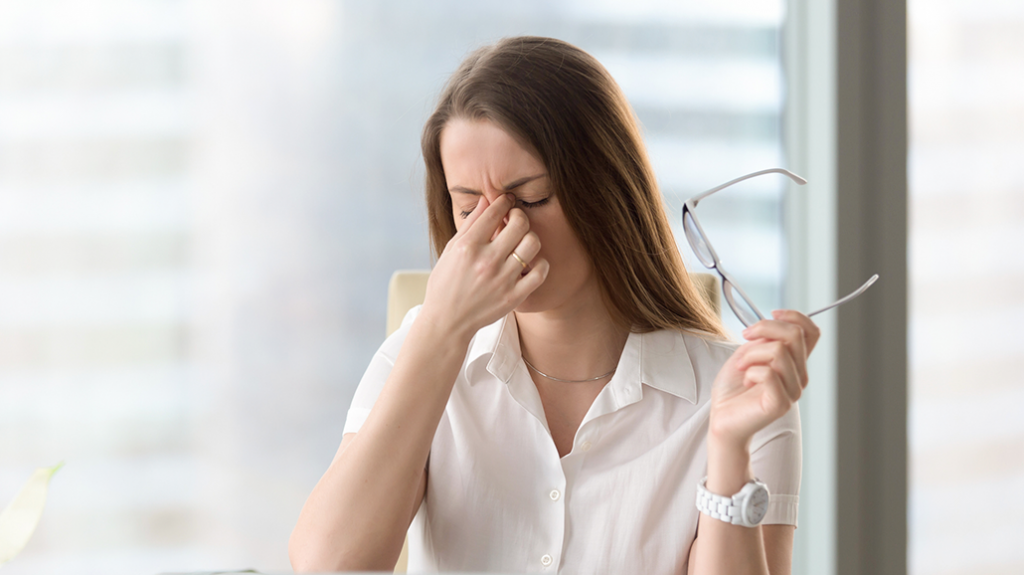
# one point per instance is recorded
(966, 420)
(201, 204)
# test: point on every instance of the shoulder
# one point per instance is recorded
(393, 344)
(707, 356)
(706, 352)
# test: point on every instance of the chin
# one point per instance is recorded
(531, 305)
(544, 298)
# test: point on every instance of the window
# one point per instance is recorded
(201, 204)
(966, 430)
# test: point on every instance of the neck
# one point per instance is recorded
(574, 341)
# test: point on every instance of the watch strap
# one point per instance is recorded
(727, 509)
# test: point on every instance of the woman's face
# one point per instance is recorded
(480, 158)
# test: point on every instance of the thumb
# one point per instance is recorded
(474, 215)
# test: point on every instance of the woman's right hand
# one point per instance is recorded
(477, 280)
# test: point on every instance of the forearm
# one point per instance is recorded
(723, 548)
(357, 515)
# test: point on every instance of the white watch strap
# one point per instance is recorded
(717, 506)
(731, 509)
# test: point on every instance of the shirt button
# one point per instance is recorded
(545, 560)
(586, 446)
(554, 497)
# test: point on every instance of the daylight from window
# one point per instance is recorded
(201, 203)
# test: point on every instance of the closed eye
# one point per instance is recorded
(536, 204)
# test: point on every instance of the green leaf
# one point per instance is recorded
(19, 520)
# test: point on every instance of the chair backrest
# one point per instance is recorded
(408, 287)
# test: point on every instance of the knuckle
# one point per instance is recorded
(775, 401)
(517, 221)
(526, 245)
(484, 266)
(533, 238)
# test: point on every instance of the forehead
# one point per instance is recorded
(476, 150)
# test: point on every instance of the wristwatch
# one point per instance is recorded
(746, 508)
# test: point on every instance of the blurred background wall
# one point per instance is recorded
(201, 203)
(966, 260)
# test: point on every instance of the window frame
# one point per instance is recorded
(845, 130)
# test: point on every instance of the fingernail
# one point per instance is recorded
(747, 332)
(511, 197)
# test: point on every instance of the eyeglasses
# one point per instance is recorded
(738, 300)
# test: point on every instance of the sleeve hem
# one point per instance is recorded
(357, 417)
(782, 510)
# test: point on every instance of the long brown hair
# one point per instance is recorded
(559, 100)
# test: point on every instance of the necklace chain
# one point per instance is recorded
(566, 380)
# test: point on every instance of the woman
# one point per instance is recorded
(563, 389)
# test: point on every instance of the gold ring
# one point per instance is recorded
(515, 255)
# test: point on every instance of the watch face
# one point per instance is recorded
(757, 506)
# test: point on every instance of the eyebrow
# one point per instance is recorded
(508, 188)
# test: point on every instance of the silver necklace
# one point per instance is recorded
(566, 380)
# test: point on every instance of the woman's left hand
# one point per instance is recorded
(763, 378)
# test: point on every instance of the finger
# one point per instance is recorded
(531, 281)
(775, 355)
(769, 351)
(473, 216)
(512, 231)
(774, 400)
(501, 226)
(812, 333)
(790, 333)
(527, 249)
(485, 224)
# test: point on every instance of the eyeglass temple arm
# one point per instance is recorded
(791, 175)
(856, 293)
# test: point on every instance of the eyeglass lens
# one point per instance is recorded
(697, 241)
(739, 304)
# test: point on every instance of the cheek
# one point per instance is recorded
(457, 217)
(558, 241)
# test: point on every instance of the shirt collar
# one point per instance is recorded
(658, 359)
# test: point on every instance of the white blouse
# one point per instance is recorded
(499, 498)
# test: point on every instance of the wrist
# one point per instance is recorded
(728, 465)
(442, 328)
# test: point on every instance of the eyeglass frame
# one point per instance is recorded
(689, 208)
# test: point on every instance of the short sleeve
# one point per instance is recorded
(775, 458)
(377, 373)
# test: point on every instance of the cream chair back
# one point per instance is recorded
(407, 289)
